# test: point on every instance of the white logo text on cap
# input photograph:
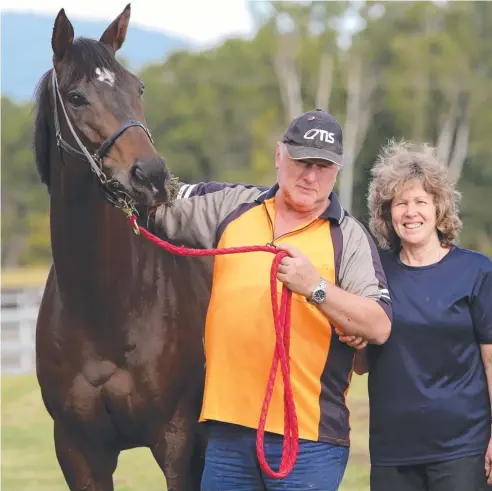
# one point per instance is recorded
(323, 135)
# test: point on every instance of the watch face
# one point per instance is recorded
(319, 296)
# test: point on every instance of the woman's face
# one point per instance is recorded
(414, 214)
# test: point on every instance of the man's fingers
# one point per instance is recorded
(354, 341)
(350, 340)
(283, 277)
(286, 260)
(293, 251)
(347, 339)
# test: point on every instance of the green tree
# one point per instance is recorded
(413, 70)
(23, 198)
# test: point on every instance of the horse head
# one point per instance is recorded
(97, 112)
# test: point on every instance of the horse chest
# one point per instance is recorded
(99, 387)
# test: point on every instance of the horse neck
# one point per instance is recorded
(93, 246)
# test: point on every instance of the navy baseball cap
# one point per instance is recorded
(315, 135)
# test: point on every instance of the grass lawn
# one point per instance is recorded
(24, 277)
(29, 461)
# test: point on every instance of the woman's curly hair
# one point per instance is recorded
(397, 163)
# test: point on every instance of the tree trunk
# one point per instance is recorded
(287, 76)
(448, 128)
(461, 144)
(325, 80)
(453, 140)
(360, 90)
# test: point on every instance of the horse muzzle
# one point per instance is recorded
(149, 179)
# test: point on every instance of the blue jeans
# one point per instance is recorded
(231, 463)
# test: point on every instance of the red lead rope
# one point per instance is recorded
(281, 319)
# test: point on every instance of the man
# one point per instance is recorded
(336, 278)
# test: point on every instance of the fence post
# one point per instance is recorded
(19, 315)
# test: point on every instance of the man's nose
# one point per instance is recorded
(310, 174)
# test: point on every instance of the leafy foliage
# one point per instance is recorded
(217, 114)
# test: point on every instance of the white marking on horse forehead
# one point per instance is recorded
(105, 75)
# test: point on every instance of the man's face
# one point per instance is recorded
(305, 184)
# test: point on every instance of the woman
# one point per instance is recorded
(430, 384)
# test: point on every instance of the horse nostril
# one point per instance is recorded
(138, 174)
(149, 176)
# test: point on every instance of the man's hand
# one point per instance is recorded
(296, 272)
(353, 341)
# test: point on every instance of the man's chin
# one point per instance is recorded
(303, 204)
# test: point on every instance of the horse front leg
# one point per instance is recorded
(86, 466)
(180, 453)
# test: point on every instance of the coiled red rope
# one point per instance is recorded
(281, 317)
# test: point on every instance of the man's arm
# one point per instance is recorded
(351, 313)
(361, 305)
(361, 274)
(194, 218)
(356, 316)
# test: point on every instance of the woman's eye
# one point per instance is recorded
(77, 99)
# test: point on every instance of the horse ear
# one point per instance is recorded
(62, 38)
(115, 34)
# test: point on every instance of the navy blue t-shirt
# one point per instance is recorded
(429, 399)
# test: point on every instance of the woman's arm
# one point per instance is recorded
(361, 365)
(486, 351)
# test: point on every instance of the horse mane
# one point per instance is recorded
(84, 57)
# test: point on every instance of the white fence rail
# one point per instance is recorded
(18, 326)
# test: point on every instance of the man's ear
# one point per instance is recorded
(278, 155)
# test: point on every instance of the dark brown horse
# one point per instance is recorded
(120, 358)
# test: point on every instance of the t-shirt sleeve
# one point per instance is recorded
(481, 306)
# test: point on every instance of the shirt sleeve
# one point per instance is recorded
(481, 306)
(195, 216)
(361, 271)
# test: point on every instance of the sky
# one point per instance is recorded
(204, 22)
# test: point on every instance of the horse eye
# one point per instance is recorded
(77, 99)
(142, 88)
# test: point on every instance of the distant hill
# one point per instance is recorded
(26, 48)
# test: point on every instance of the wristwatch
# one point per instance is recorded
(318, 295)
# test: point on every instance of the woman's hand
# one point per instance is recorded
(488, 463)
